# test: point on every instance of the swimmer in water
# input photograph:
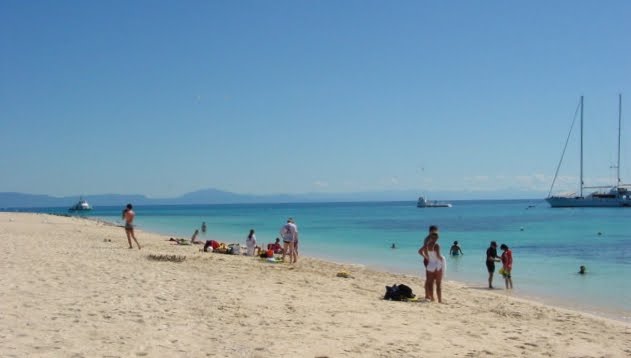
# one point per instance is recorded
(455, 250)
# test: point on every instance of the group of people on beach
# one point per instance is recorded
(288, 232)
(507, 263)
(435, 263)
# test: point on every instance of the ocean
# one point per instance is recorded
(548, 244)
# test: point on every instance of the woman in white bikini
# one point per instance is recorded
(434, 269)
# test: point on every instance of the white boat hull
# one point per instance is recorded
(82, 205)
(579, 202)
(423, 203)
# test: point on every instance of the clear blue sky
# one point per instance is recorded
(163, 97)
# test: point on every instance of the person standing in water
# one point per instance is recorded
(203, 227)
(491, 259)
(128, 216)
(507, 266)
(455, 249)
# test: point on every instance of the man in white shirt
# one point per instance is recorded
(289, 233)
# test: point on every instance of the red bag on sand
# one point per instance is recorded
(214, 244)
(270, 253)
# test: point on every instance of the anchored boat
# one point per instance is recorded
(424, 203)
(617, 195)
(81, 205)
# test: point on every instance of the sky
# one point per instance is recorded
(265, 97)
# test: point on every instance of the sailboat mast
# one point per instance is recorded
(581, 147)
(619, 131)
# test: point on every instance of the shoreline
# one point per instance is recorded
(547, 300)
(556, 302)
(70, 291)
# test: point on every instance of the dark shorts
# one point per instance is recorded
(490, 266)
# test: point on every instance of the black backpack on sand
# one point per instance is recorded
(398, 293)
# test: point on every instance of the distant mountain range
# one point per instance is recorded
(214, 196)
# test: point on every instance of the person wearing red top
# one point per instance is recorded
(276, 247)
(507, 265)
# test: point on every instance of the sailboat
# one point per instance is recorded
(617, 195)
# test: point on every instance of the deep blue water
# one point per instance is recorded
(548, 244)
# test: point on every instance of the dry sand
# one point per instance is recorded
(68, 292)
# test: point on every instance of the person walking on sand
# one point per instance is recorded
(434, 269)
(491, 259)
(250, 243)
(289, 233)
(128, 216)
(507, 266)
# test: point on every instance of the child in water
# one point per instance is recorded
(507, 265)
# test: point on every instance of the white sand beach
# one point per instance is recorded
(68, 291)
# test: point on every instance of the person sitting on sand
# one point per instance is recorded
(179, 241)
(275, 247)
(455, 249)
(250, 243)
(194, 238)
(212, 245)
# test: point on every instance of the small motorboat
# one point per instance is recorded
(81, 205)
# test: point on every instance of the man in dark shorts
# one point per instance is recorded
(491, 258)
(289, 233)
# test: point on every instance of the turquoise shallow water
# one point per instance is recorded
(548, 244)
